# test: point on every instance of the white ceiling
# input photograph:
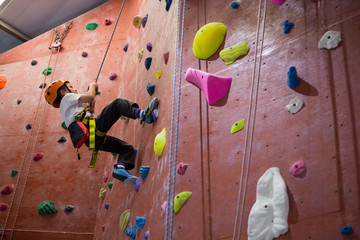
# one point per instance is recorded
(34, 17)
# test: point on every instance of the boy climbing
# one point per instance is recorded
(76, 110)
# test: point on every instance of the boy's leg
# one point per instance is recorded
(112, 112)
(126, 159)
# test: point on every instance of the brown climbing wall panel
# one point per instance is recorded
(223, 167)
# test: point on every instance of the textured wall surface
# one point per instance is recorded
(223, 168)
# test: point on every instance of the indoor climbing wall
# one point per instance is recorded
(221, 169)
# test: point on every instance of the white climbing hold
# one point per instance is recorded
(295, 105)
(330, 40)
(268, 216)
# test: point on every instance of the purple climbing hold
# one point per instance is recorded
(235, 4)
(292, 78)
(137, 184)
(168, 3)
(148, 62)
(166, 57)
(214, 87)
(150, 88)
(107, 205)
(149, 47)
(298, 168)
(144, 20)
(287, 26)
(113, 76)
(146, 235)
(126, 46)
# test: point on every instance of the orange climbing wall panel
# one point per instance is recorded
(223, 167)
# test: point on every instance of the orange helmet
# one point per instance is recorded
(52, 94)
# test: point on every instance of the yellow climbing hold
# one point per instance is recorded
(237, 126)
(137, 21)
(158, 74)
(124, 219)
(208, 39)
(140, 54)
(102, 193)
(180, 199)
(159, 142)
(230, 54)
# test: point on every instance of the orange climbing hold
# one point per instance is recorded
(3, 81)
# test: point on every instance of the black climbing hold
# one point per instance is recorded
(126, 47)
(33, 62)
(69, 208)
(43, 85)
(149, 47)
(28, 126)
(18, 101)
(148, 62)
(61, 139)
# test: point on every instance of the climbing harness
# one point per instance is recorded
(84, 128)
(172, 173)
(54, 45)
(249, 137)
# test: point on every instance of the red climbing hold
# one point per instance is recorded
(84, 54)
(113, 76)
(38, 156)
(7, 189)
(103, 228)
(106, 176)
(3, 206)
(107, 22)
(166, 57)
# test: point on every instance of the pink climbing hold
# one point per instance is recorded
(103, 228)
(181, 168)
(278, 2)
(298, 168)
(166, 57)
(214, 87)
(106, 176)
(7, 189)
(3, 206)
(38, 156)
(163, 208)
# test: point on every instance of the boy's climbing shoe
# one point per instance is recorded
(124, 176)
(148, 113)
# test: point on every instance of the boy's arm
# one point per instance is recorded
(89, 97)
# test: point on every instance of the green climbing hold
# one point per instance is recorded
(91, 26)
(97, 93)
(47, 207)
(14, 172)
(47, 71)
(110, 184)
(63, 125)
(114, 154)
(237, 126)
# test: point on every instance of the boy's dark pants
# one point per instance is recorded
(109, 115)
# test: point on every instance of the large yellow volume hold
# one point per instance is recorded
(159, 142)
(180, 199)
(124, 219)
(230, 54)
(208, 39)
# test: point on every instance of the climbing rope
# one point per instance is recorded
(248, 127)
(26, 150)
(172, 166)
(112, 35)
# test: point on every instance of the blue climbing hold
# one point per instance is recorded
(144, 170)
(346, 230)
(107, 205)
(292, 78)
(150, 88)
(144, 20)
(146, 235)
(287, 26)
(168, 3)
(148, 62)
(131, 232)
(235, 5)
(140, 222)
